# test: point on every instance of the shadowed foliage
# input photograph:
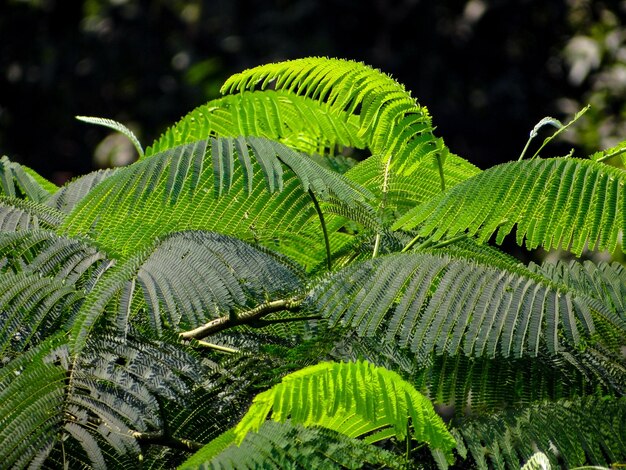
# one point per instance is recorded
(249, 295)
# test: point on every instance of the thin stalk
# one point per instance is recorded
(611, 155)
(450, 241)
(167, 441)
(320, 214)
(426, 244)
(408, 444)
(217, 347)
(383, 203)
(441, 175)
(242, 318)
(521, 156)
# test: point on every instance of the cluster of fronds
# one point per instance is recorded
(249, 294)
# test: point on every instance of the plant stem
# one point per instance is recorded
(166, 441)
(611, 155)
(441, 175)
(248, 316)
(383, 203)
(408, 444)
(450, 241)
(320, 214)
(217, 347)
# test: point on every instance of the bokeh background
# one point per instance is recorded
(487, 70)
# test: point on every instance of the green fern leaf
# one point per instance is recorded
(287, 445)
(27, 395)
(170, 192)
(28, 305)
(605, 282)
(117, 126)
(352, 398)
(298, 122)
(477, 385)
(576, 432)
(20, 181)
(97, 403)
(20, 214)
(555, 203)
(47, 254)
(185, 280)
(198, 276)
(443, 304)
(403, 189)
(69, 195)
(390, 120)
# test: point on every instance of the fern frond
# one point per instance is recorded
(98, 402)
(390, 120)
(555, 203)
(22, 182)
(479, 385)
(605, 282)
(443, 304)
(406, 190)
(30, 305)
(23, 214)
(290, 445)
(48, 254)
(577, 432)
(198, 276)
(351, 398)
(27, 396)
(298, 122)
(70, 194)
(116, 126)
(185, 280)
(174, 191)
(538, 461)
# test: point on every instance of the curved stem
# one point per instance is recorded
(320, 214)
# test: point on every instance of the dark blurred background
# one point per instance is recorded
(487, 70)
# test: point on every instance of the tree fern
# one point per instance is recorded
(143, 308)
(555, 203)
